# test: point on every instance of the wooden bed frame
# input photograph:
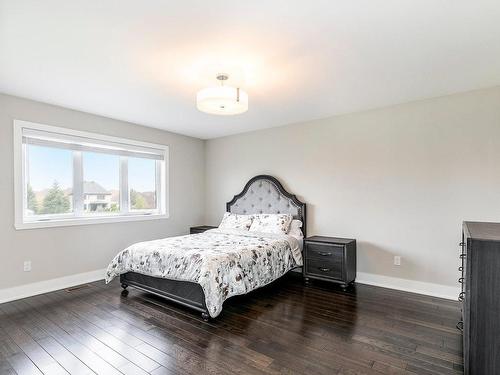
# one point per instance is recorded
(262, 194)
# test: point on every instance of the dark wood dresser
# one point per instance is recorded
(480, 297)
(330, 259)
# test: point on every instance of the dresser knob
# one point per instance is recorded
(462, 256)
(461, 244)
(460, 325)
(322, 269)
(461, 296)
(461, 280)
(460, 268)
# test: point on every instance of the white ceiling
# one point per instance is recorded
(143, 61)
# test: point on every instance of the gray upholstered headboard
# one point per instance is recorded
(265, 195)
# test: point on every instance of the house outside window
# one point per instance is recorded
(96, 198)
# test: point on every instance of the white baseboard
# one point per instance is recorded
(33, 289)
(419, 287)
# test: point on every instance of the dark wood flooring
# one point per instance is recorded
(285, 328)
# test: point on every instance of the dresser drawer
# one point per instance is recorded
(318, 267)
(324, 252)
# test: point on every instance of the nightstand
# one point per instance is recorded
(200, 229)
(330, 259)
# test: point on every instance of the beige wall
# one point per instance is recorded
(63, 251)
(400, 180)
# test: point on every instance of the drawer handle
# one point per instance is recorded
(323, 269)
(460, 268)
(325, 254)
(463, 256)
(460, 325)
(461, 244)
(461, 280)
(461, 296)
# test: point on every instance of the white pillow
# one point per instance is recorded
(295, 230)
(271, 223)
(234, 221)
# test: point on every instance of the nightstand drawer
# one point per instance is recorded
(325, 252)
(331, 269)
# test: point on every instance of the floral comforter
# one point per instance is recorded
(225, 262)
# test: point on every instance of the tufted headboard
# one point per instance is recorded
(265, 195)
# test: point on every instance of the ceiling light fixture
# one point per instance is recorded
(222, 100)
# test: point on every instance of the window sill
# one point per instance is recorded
(87, 221)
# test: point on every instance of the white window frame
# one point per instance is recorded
(77, 217)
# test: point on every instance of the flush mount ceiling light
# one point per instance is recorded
(222, 100)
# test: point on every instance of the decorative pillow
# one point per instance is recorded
(234, 221)
(295, 230)
(271, 223)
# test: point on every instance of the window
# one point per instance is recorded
(49, 181)
(142, 184)
(101, 183)
(67, 177)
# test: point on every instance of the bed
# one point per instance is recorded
(203, 270)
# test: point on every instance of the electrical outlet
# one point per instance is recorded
(27, 265)
(397, 260)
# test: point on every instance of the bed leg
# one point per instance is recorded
(205, 316)
(124, 291)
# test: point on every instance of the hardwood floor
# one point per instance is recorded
(285, 328)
